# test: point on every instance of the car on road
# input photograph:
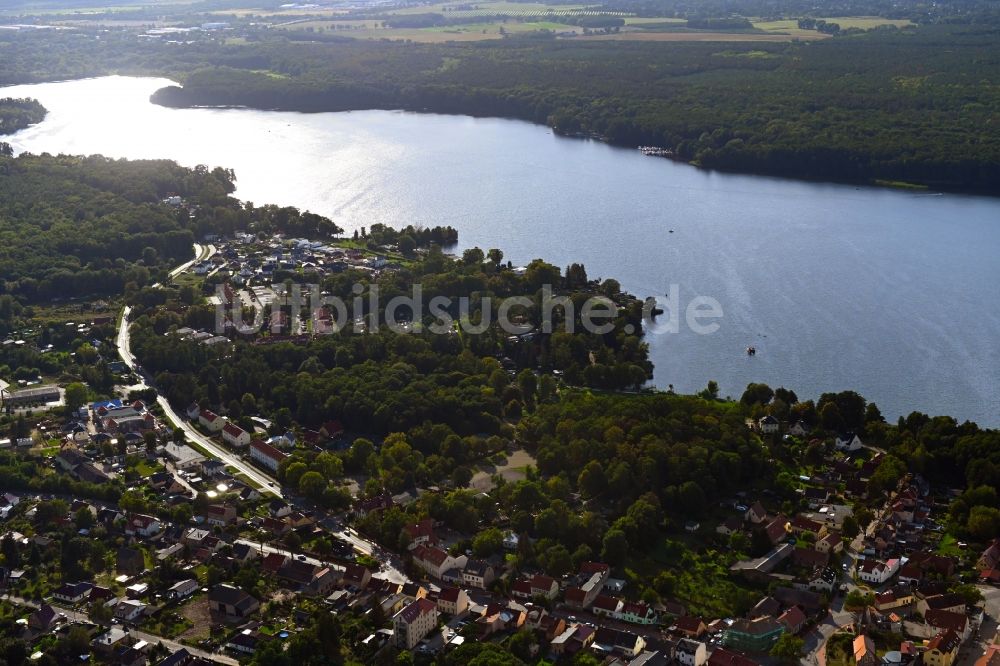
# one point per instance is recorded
(301, 557)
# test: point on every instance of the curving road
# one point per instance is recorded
(266, 483)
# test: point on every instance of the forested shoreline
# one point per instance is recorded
(18, 114)
(906, 106)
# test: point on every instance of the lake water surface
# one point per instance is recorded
(893, 294)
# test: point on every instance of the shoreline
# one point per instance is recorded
(875, 181)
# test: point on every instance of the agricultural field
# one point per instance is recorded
(791, 26)
(707, 36)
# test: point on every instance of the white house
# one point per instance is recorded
(143, 526)
(129, 610)
(184, 456)
(768, 425)
(211, 421)
(436, 561)
(876, 572)
(266, 455)
(235, 436)
(690, 652)
(799, 429)
(183, 589)
(414, 622)
(849, 442)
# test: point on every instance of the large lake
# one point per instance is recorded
(893, 294)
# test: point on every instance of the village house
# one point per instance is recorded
(414, 622)
(848, 442)
(235, 436)
(768, 425)
(724, 657)
(182, 589)
(689, 626)
(435, 561)
(231, 602)
(952, 602)
(864, 651)
(830, 543)
(590, 581)
(211, 421)
(793, 620)
(420, 534)
(129, 610)
(266, 455)
(756, 514)
(876, 572)
(799, 429)
(452, 601)
(942, 649)
(756, 635)
(43, 618)
(536, 586)
(220, 515)
(573, 640)
(608, 641)
(690, 652)
(478, 574)
(183, 456)
(141, 525)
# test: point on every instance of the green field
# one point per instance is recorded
(791, 26)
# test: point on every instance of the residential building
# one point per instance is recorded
(435, 561)
(266, 455)
(942, 649)
(690, 652)
(793, 620)
(864, 651)
(183, 456)
(849, 442)
(724, 657)
(690, 626)
(768, 425)
(608, 641)
(756, 635)
(72, 593)
(414, 622)
(220, 515)
(182, 589)
(231, 602)
(211, 421)
(235, 436)
(478, 574)
(452, 601)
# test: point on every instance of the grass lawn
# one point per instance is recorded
(146, 469)
(168, 624)
(949, 546)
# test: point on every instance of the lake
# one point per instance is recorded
(890, 293)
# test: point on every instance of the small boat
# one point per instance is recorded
(671, 231)
(751, 351)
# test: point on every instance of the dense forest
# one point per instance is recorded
(888, 105)
(16, 114)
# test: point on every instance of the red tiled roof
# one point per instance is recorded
(233, 430)
(416, 609)
(723, 657)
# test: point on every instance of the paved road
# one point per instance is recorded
(152, 639)
(201, 253)
(267, 483)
